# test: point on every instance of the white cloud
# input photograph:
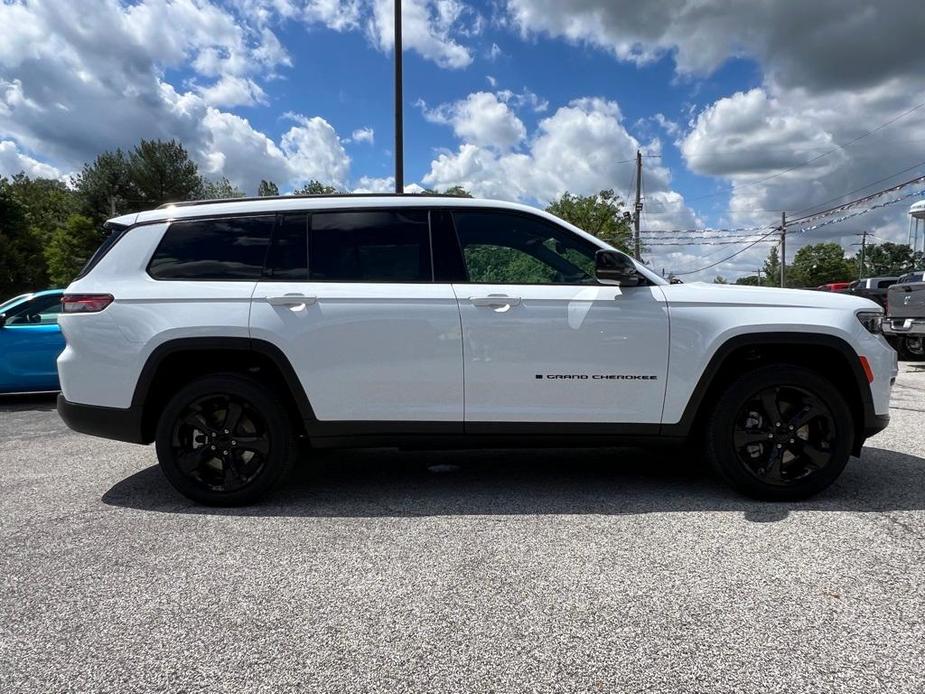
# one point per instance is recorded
(364, 135)
(480, 118)
(581, 148)
(524, 99)
(68, 94)
(233, 91)
(12, 162)
(428, 27)
(369, 184)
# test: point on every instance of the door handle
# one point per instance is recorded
(291, 300)
(495, 301)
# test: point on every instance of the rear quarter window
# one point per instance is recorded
(213, 249)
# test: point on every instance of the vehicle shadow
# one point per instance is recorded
(28, 402)
(388, 483)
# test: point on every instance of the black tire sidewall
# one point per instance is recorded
(720, 431)
(282, 441)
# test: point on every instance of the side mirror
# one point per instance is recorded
(614, 268)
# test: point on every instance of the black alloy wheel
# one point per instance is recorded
(225, 440)
(780, 432)
(220, 442)
(784, 434)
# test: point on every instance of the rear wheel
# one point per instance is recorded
(224, 440)
(780, 432)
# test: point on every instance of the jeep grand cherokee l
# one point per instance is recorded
(225, 332)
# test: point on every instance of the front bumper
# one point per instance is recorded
(903, 326)
(105, 422)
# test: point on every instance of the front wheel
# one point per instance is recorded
(224, 440)
(780, 433)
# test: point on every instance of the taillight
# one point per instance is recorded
(85, 303)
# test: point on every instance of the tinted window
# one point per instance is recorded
(216, 249)
(111, 235)
(288, 257)
(885, 284)
(448, 259)
(504, 248)
(374, 246)
(42, 310)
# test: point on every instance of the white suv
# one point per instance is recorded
(226, 331)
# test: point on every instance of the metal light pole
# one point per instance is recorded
(637, 208)
(399, 111)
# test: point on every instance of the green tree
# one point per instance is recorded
(267, 189)
(820, 263)
(105, 188)
(314, 187)
(163, 172)
(219, 189)
(21, 265)
(750, 280)
(48, 203)
(601, 215)
(771, 269)
(719, 279)
(453, 191)
(887, 258)
(70, 247)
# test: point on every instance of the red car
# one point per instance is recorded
(834, 287)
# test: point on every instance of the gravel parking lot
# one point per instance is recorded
(607, 571)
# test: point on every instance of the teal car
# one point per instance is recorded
(30, 342)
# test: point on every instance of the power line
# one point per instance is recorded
(844, 206)
(727, 258)
(864, 187)
(708, 243)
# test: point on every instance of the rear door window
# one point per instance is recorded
(370, 246)
(288, 257)
(213, 249)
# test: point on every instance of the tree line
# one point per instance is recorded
(823, 263)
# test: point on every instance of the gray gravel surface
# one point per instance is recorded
(611, 570)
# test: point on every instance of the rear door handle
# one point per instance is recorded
(291, 300)
(495, 300)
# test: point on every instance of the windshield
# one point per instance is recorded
(10, 303)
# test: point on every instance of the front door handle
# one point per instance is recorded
(495, 301)
(291, 300)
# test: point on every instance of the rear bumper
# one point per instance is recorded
(904, 326)
(106, 422)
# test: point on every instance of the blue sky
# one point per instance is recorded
(518, 99)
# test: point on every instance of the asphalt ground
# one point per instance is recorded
(512, 571)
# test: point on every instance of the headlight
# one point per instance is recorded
(871, 320)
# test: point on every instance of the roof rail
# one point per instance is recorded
(194, 203)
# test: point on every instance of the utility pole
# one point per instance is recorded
(863, 254)
(399, 111)
(638, 206)
(783, 249)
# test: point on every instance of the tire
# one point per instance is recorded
(215, 468)
(912, 348)
(750, 443)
